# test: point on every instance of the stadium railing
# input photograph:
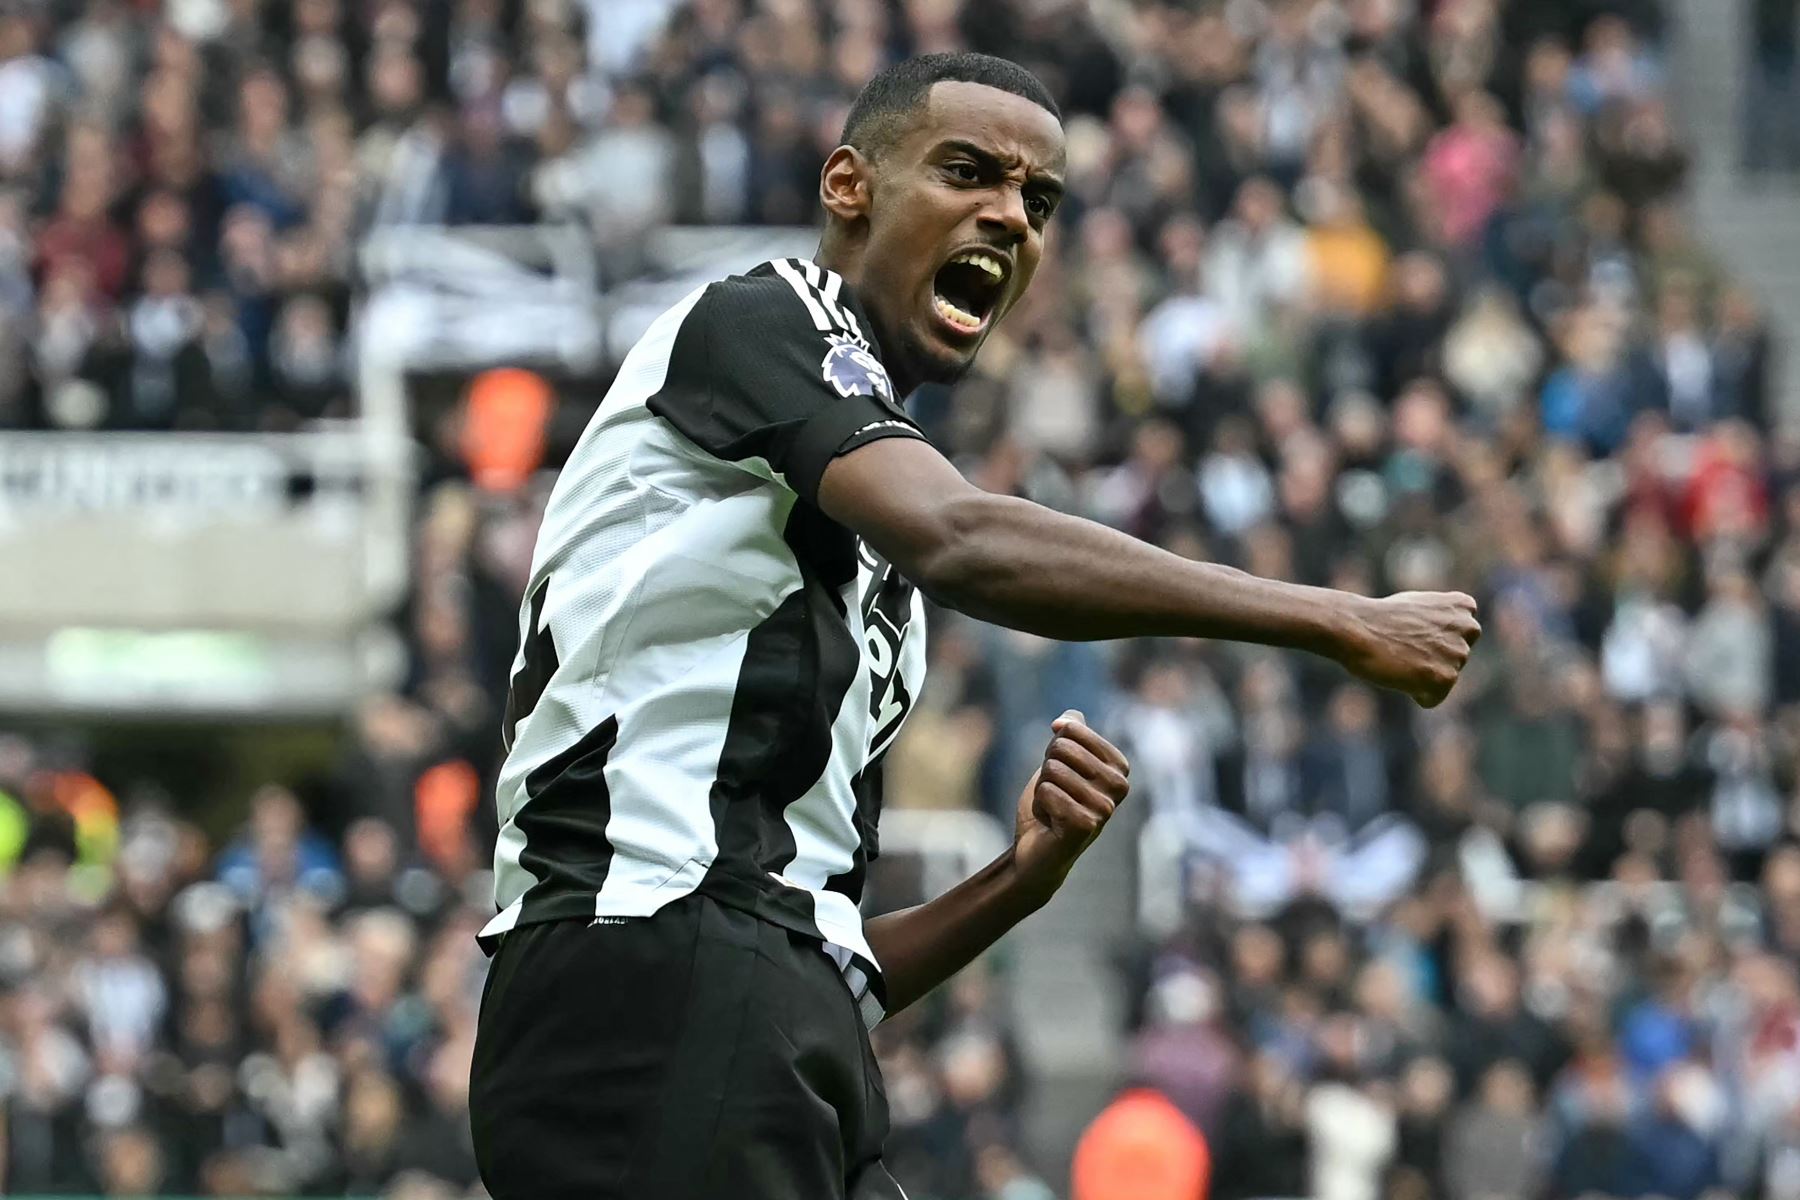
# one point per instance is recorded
(938, 850)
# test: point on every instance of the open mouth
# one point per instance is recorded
(967, 289)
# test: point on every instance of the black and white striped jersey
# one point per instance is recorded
(710, 669)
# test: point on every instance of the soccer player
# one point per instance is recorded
(723, 632)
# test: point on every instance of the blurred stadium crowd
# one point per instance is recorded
(1380, 294)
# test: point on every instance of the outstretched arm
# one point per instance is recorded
(1061, 811)
(1016, 563)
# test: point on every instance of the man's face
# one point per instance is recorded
(956, 216)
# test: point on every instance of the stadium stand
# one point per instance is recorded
(301, 302)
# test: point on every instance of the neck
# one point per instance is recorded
(837, 254)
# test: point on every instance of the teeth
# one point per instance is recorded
(986, 262)
(956, 316)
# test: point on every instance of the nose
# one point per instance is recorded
(1005, 215)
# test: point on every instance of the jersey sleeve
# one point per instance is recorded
(768, 375)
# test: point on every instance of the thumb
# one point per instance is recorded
(1070, 717)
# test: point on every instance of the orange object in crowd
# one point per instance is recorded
(506, 417)
(1141, 1147)
(444, 800)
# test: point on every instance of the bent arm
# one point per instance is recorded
(1083, 780)
(1019, 564)
(920, 947)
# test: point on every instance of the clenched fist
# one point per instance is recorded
(1413, 642)
(1068, 801)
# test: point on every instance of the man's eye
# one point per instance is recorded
(1038, 206)
(964, 171)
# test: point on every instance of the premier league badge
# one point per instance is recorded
(853, 371)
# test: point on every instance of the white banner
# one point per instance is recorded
(98, 474)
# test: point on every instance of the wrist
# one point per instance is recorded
(1341, 627)
(1026, 885)
(1023, 886)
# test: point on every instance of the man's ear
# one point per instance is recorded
(844, 184)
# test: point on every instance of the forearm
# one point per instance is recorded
(1019, 564)
(920, 947)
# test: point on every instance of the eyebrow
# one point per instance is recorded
(1042, 180)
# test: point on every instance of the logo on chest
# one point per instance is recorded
(887, 606)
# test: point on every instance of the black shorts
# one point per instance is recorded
(693, 1054)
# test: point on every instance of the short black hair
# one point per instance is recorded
(879, 115)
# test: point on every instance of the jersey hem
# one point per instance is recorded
(779, 904)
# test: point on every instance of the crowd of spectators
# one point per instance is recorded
(1380, 294)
